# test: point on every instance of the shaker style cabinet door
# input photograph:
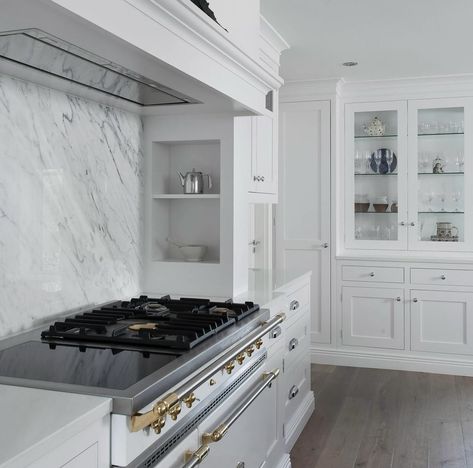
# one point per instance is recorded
(373, 317)
(375, 166)
(440, 175)
(264, 156)
(303, 212)
(442, 322)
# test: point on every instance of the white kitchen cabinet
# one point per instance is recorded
(376, 176)
(442, 321)
(408, 174)
(373, 317)
(264, 156)
(303, 213)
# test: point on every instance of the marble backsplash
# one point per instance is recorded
(70, 204)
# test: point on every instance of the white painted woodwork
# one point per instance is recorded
(373, 274)
(373, 317)
(414, 183)
(442, 277)
(263, 177)
(442, 321)
(207, 143)
(303, 214)
(400, 242)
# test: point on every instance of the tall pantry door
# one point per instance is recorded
(303, 213)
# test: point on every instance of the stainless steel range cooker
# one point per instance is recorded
(170, 366)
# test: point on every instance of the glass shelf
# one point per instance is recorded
(379, 212)
(439, 134)
(376, 174)
(441, 212)
(440, 173)
(365, 137)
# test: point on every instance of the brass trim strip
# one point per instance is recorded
(141, 421)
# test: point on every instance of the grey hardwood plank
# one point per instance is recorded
(342, 446)
(329, 398)
(411, 442)
(377, 444)
(464, 386)
(446, 449)
(444, 399)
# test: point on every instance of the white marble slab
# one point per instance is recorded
(37, 421)
(70, 204)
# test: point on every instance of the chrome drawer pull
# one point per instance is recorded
(415, 299)
(217, 434)
(294, 305)
(293, 392)
(293, 344)
(443, 277)
(372, 274)
(398, 299)
(276, 332)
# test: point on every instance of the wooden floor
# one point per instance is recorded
(374, 418)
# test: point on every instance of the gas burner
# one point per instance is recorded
(161, 323)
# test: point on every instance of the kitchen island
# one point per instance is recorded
(43, 428)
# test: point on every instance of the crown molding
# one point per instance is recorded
(311, 90)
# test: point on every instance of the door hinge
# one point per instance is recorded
(283, 430)
(283, 366)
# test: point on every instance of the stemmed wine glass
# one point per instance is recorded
(389, 160)
(443, 199)
(456, 196)
(377, 160)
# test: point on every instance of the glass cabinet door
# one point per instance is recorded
(439, 195)
(376, 184)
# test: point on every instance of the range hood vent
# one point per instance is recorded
(41, 51)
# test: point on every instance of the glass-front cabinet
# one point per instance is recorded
(440, 192)
(376, 164)
(409, 182)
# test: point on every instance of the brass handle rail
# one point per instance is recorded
(171, 403)
(194, 459)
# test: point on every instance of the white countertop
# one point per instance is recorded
(37, 421)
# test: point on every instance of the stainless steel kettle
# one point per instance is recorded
(193, 182)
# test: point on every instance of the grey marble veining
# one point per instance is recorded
(70, 203)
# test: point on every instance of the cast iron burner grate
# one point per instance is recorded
(155, 322)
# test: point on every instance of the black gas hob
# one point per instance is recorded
(177, 324)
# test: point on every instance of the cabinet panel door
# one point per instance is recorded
(303, 213)
(264, 156)
(373, 317)
(440, 167)
(442, 321)
(375, 166)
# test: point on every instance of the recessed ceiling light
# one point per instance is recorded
(350, 64)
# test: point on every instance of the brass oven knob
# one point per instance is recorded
(175, 411)
(250, 350)
(259, 343)
(159, 424)
(189, 400)
(229, 367)
(240, 358)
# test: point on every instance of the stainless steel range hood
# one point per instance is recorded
(41, 51)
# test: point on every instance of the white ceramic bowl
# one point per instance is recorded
(193, 253)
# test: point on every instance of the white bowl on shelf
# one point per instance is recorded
(193, 253)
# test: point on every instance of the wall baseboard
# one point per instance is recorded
(298, 421)
(285, 462)
(380, 360)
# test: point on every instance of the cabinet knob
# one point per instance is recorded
(412, 223)
(294, 305)
(372, 274)
(293, 344)
(325, 245)
(262, 178)
(443, 277)
(415, 299)
(402, 223)
(398, 299)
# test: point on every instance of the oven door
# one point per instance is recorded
(242, 431)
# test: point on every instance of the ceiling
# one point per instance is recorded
(389, 39)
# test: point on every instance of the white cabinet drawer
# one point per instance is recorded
(296, 339)
(298, 299)
(297, 384)
(442, 277)
(373, 274)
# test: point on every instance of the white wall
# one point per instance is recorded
(70, 203)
